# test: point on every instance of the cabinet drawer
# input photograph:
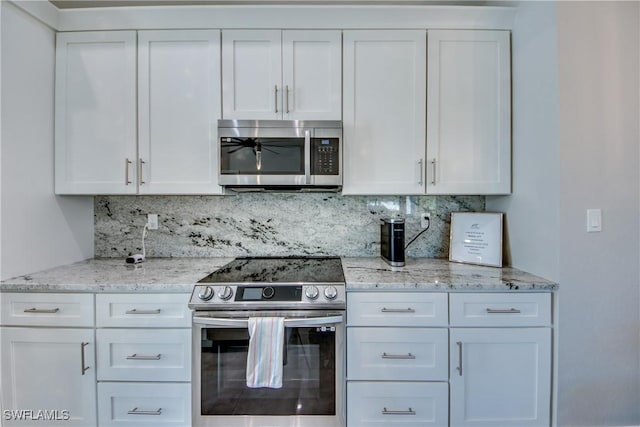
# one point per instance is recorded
(396, 309)
(144, 354)
(143, 310)
(392, 404)
(151, 404)
(43, 309)
(488, 309)
(394, 354)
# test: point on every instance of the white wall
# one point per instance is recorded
(589, 158)
(39, 230)
(598, 47)
(532, 210)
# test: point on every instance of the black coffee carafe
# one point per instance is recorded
(392, 241)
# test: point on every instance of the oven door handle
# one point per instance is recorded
(292, 322)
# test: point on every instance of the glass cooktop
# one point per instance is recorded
(279, 270)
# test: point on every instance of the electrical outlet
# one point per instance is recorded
(152, 221)
(425, 220)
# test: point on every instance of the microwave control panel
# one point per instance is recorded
(325, 156)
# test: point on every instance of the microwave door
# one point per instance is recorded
(262, 160)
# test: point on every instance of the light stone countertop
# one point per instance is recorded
(178, 275)
(167, 275)
(427, 274)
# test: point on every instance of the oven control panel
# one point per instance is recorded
(265, 295)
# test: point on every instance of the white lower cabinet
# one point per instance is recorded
(144, 359)
(449, 359)
(397, 359)
(48, 377)
(390, 404)
(500, 377)
(140, 404)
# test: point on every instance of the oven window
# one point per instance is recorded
(255, 156)
(308, 374)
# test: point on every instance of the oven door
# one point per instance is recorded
(312, 394)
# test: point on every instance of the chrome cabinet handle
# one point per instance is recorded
(433, 171)
(307, 157)
(397, 310)
(136, 356)
(421, 166)
(41, 310)
(136, 311)
(127, 176)
(398, 356)
(82, 360)
(410, 411)
(135, 411)
(286, 97)
(276, 98)
(501, 311)
(140, 171)
(459, 367)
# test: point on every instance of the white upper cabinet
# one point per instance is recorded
(468, 112)
(95, 113)
(274, 74)
(178, 109)
(312, 75)
(162, 141)
(384, 104)
(251, 74)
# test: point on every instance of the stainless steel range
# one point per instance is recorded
(308, 294)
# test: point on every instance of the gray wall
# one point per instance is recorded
(576, 146)
(598, 47)
(38, 229)
(271, 224)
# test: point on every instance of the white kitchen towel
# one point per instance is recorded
(266, 350)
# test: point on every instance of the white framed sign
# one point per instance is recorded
(476, 238)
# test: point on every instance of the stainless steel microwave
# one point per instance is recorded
(280, 154)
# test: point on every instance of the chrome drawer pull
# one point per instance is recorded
(397, 310)
(398, 356)
(136, 311)
(498, 311)
(42, 310)
(135, 411)
(408, 412)
(142, 357)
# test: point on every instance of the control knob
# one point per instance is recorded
(205, 293)
(225, 293)
(330, 292)
(268, 292)
(311, 292)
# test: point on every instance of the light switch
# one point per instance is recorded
(594, 220)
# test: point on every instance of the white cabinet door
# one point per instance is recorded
(468, 112)
(50, 372)
(312, 75)
(178, 106)
(384, 104)
(95, 113)
(500, 376)
(252, 74)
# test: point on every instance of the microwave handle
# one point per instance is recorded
(294, 322)
(307, 157)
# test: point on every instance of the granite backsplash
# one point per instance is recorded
(271, 224)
